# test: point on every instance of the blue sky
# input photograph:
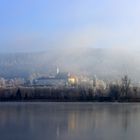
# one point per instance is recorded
(36, 25)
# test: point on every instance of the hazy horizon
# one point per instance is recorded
(92, 37)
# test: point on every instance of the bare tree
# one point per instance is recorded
(125, 86)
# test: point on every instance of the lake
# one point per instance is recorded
(69, 121)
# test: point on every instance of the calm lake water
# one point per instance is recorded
(69, 121)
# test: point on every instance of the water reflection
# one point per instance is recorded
(66, 121)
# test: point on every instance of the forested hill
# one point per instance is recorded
(105, 63)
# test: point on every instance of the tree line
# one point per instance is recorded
(114, 92)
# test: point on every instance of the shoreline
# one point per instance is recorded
(72, 101)
(65, 94)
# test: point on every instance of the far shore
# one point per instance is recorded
(66, 94)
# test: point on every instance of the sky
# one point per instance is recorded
(38, 25)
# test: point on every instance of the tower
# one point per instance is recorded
(57, 71)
